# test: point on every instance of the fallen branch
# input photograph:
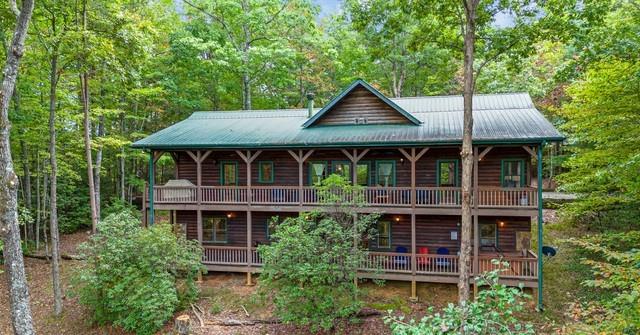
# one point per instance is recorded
(245, 310)
(367, 312)
(363, 313)
(236, 322)
(197, 316)
(63, 256)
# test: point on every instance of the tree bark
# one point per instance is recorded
(21, 319)
(38, 202)
(84, 97)
(97, 167)
(122, 162)
(467, 152)
(53, 198)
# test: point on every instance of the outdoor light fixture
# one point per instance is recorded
(501, 223)
(397, 219)
(229, 215)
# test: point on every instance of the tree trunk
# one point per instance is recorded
(45, 182)
(84, 97)
(53, 198)
(467, 153)
(84, 92)
(38, 202)
(122, 167)
(21, 319)
(98, 166)
(27, 174)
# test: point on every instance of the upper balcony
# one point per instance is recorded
(428, 197)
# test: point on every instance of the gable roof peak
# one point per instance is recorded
(355, 84)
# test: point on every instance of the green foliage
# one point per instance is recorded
(492, 312)
(310, 266)
(614, 259)
(136, 278)
(118, 206)
(603, 122)
(74, 211)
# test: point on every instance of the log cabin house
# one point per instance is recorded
(234, 170)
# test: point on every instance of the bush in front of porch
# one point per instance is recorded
(310, 267)
(134, 277)
(493, 312)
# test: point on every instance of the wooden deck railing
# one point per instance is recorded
(488, 197)
(224, 194)
(392, 262)
(175, 194)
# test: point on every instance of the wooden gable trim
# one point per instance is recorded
(360, 83)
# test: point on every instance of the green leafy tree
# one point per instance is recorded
(493, 312)
(310, 267)
(136, 278)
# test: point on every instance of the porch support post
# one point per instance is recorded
(300, 157)
(413, 158)
(144, 204)
(248, 158)
(476, 235)
(199, 193)
(151, 180)
(540, 228)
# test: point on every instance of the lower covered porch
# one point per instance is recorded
(230, 247)
(393, 265)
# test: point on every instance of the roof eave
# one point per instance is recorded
(536, 140)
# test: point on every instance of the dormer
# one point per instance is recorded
(360, 104)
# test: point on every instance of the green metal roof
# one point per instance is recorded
(346, 91)
(498, 118)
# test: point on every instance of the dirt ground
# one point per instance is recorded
(226, 297)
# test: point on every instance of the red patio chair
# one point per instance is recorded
(423, 260)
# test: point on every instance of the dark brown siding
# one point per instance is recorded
(286, 168)
(489, 169)
(360, 103)
(432, 231)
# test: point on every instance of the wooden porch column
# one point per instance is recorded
(151, 183)
(248, 158)
(145, 191)
(413, 158)
(476, 233)
(300, 157)
(355, 158)
(199, 157)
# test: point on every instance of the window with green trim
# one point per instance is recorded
(513, 173)
(342, 168)
(363, 172)
(317, 172)
(447, 172)
(386, 173)
(384, 235)
(266, 174)
(488, 234)
(214, 229)
(228, 173)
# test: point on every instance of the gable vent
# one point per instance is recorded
(360, 120)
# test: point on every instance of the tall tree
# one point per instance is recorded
(254, 35)
(470, 12)
(22, 321)
(84, 98)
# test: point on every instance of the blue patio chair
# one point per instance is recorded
(444, 262)
(402, 261)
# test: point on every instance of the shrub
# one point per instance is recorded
(310, 266)
(493, 311)
(615, 262)
(136, 278)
